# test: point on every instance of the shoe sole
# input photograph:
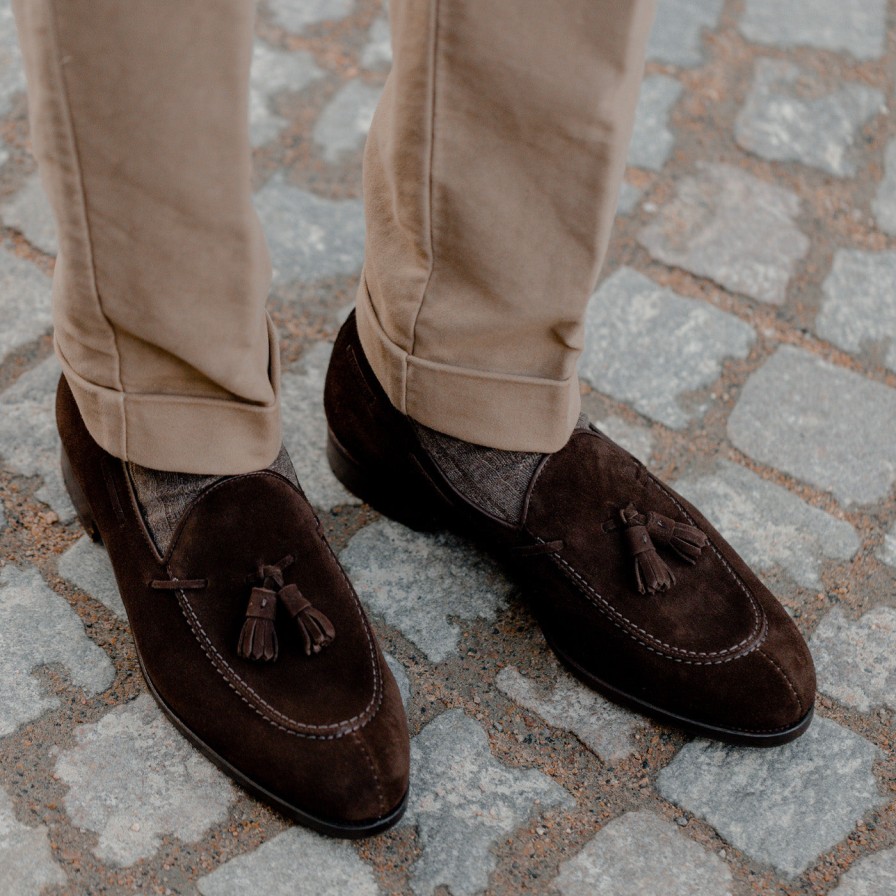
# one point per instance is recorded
(342, 830)
(404, 506)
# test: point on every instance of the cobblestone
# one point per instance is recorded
(887, 551)
(24, 648)
(344, 123)
(29, 444)
(884, 203)
(294, 863)
(677, 36)
(781, 806)
(86, 565)
(639, 853)
(296, 15)
(786, 118)
(858, 27)
(24, 302)
(820, 423)
(606, 729)
(871, 876)
(770, 526)
(310, 238)
(629, 198)
(420, 583)
(12, 75)
(854, 660)
(650, 347)
(652, 139)
(29, 212)
(133, 780)
(733, 228)
(273, 72)
(26, 863)
(377, 52)
(305, 429)
(859, 309)
(637, 440)
(463, 801)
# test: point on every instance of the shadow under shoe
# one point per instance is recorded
(304, 714)
(635, 590)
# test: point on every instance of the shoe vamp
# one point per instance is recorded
(233, 529)
(709, 610)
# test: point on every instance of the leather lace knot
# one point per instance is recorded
(643, 532)
(258, 638)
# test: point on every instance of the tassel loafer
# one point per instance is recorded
(636, 592)
(252, 639)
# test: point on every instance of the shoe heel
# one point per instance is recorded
(79, 499)
(383, 491)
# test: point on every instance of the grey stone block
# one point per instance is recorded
(305, 428)
(629, 197)
(296, 15)
(401, 679)
(29, 212)
(783, 806)
(344, 123)
(859, 307)
(732, 227)
(855, 660)
(872, 876)
(294, 863)
(12, 72)
(273, 72)
(637, 440)
(39, 628)
(887, 551)
(310, 238)
(786, 118)
(606, 729)
(768, 525)
(421, 583)
(648, 346)
(29, 444)
(26, 862)
(858, 27)
(87, 566)
(820, 423)
(463, 801)
(134, 779)
(884, 203)
(377, 52)
(638, 854)
(652, 140)
(24, 302)
(677, 35)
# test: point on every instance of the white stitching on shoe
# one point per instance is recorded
(252, 697)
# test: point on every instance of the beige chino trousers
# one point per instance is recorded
(490, 183)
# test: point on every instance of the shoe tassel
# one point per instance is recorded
(258, 637)
(642, 534)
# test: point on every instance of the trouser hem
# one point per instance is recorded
(513, 413)
(181, 433)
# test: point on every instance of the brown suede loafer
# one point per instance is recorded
(635, 591)
(252, 640)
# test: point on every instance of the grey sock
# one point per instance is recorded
(494, 480)
(163, 497)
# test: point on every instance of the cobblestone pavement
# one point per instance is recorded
(742, 341)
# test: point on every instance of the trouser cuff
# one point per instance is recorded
(513, 413)
(184, 434)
